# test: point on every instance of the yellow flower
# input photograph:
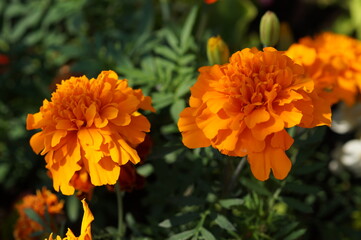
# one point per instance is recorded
(85, 231)
(43, 201)
(333, 61)
(243, 107)
(92, 125)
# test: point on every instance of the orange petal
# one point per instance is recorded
(260, 165)
(90, 114)
(262, 130)
(37, 142)
(57, 136)
(109, 112)
(280, 163)
(258, 115)
(193, 137)
(281, 140)
(33, 121)
(87, 219)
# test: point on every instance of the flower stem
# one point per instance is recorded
(121, 227)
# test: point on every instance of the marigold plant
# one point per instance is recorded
(92, 125)
(85, 231)
(243, 107)
(42, 203)
(334, 62)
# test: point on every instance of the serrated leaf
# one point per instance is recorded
(207, 234)
(184, 88)
(166, 52)
(295, 235)
(183, 235)
(297, 204)
(224, 223)
(228, 203)
(188, 26)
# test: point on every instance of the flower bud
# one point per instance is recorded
(269, 29)
(217, 51)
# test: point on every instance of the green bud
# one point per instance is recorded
(269, 29)
(217, 51)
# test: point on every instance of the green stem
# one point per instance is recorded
(235, 176)
(121, 227)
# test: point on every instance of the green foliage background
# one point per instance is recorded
(158, 46)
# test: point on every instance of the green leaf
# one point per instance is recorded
(285, 230)
(166, 52)
(184, 87)
(188, 26)
(176, 108)
(73, 208)
(297, 204)
(228, 203)
(295, 235)
(207, 234)
(301, 188)
(224, 223)
(35, 217)
(161, 100)
(255, 186)
(183, 235)
(145, 170)
(179, 220)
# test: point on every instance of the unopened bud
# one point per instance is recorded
(217, 51)
(269, 29)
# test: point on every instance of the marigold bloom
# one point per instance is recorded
(85, 231)
(92, 125)
(334, 62)
(43, 201)
(243, 107)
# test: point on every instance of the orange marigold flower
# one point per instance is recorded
(92, 125)
(243, 107)
(81, 182)
(85, 231)
(334, 62)
(44, 201)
